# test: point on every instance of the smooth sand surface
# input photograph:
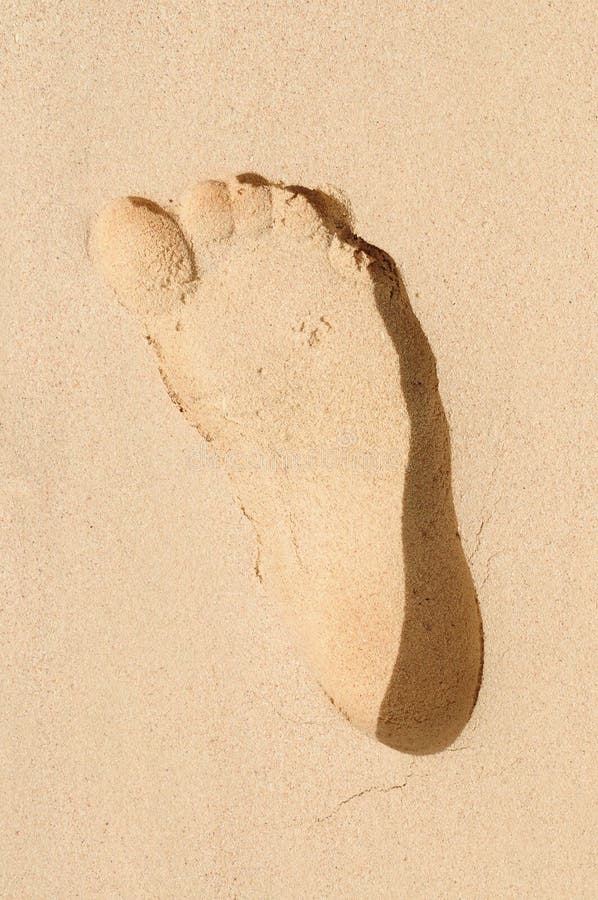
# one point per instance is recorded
(161, 736)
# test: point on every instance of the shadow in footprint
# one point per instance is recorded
(438, 670)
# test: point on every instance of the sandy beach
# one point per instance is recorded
(162, 736)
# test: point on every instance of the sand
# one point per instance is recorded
(290, 346)
(163, 737)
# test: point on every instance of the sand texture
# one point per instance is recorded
(290, 460)
(290, 346)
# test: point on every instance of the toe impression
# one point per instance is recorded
(142, 254)
(206, 212)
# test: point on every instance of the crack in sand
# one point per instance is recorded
(375, 789)
(488, 561)
(258, 551)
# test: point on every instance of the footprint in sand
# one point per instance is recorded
(290, 345)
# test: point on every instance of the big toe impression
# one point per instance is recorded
(142, 254)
